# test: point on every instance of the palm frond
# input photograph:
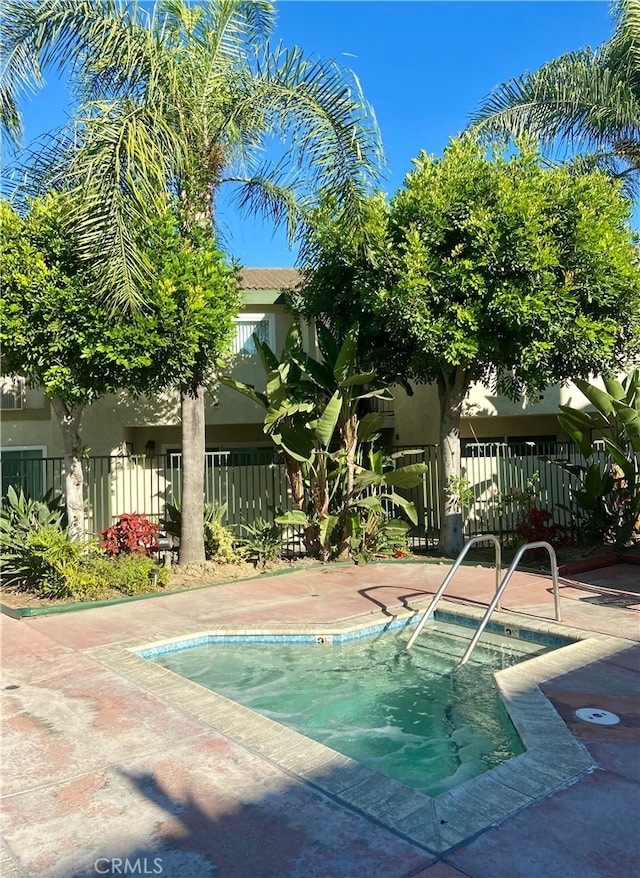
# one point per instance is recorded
(10, 119)
(625, 42)
(574, 97)
(235, 29)
(118, 56)
(587, 100)
(39, 33)
(317, 108)
(273, 194)
(115, 164)
(608, 163)
(105, 226)
(123, 166)
(39, 167)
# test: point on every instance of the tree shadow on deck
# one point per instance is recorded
(200, 831)
(402, 599)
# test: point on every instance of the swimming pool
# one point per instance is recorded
(553, 759)
(409, 715)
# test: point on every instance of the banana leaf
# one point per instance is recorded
(409, 476)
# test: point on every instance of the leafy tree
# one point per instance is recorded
(588, 98)
(182, 97)
(489, 266)
(340, 283)
(58, 335)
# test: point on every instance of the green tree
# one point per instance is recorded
(588, 98)
(56, 333)
(340, 285)
(183, 97)
(493, 269)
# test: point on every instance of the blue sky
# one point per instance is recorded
(424, 66)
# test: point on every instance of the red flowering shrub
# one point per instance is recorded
(133, 534)
(538, 526)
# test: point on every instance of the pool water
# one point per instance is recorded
(406, 714)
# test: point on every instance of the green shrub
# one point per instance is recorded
(129, 574)
(37, 554)
(218, 544)
(263, 543)
(218, 540)
(47, 563)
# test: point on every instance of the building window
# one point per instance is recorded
(11, 393)
(23, 468)
(263, 325)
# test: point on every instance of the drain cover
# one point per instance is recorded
(597, 716)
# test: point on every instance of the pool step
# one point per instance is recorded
(449, 641)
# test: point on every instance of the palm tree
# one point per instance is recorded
(589, 99)
(179, 97)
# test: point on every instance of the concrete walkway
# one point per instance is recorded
(105, 777)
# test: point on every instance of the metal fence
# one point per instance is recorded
(252, 482)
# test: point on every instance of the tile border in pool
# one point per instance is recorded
(553, 759)
(320, 636)
(316, 637)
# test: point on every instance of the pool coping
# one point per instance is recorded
(554, 758)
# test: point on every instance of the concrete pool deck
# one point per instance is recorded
(106, 774)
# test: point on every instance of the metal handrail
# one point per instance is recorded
(556, 594)
(436, 598)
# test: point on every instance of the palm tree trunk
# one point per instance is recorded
(452, 389)
(69, 419)
(193, 462)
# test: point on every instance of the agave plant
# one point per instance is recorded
(21, 513)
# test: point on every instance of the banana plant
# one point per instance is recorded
(369, 527)
(338, 379)
(288, 404)
(343, 521)
(309, 404)
(609, 494)
(306, 431)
